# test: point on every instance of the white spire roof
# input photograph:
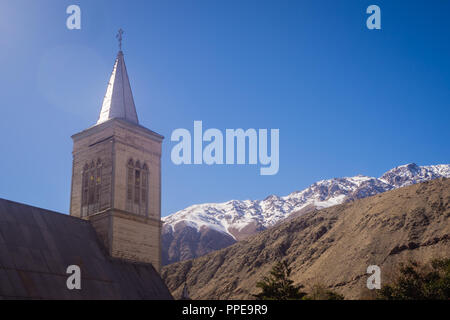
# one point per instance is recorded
(118, 101)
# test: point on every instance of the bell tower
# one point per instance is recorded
(116, 175)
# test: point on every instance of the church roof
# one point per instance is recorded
(118, 101)
(37, 246)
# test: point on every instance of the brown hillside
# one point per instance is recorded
(332, 247)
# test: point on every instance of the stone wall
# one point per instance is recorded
(136, 238)
(125, 234)
(98, 145)
(132, 144)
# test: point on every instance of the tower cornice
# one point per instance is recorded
(120, 122)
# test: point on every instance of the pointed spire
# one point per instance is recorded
(118, 101)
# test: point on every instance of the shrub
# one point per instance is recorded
(320, 292)
(417, 282)
(278, 286)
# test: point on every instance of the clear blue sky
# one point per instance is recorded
(347, 100)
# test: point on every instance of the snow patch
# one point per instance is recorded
(238, 214)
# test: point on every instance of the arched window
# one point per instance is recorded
(98, 182)
(137, 183)
(85, 185)
(130, 179)
(91, 183)
(137, 187)
(144, 186)
(91, 188)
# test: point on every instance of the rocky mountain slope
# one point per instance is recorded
(200, 229)
(333, 246)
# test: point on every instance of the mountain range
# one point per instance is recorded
(203, 228)
(332, 247)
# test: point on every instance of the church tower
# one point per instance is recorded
(116, 176)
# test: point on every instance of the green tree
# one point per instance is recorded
(320, 292)
(278, 286)
(417, 282)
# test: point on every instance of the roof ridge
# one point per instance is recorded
(45, 210)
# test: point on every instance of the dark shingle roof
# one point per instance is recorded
(37, 246)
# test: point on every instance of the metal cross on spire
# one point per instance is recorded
(119, 37)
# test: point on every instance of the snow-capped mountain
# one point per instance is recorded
(411, 173)
(202, 228)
